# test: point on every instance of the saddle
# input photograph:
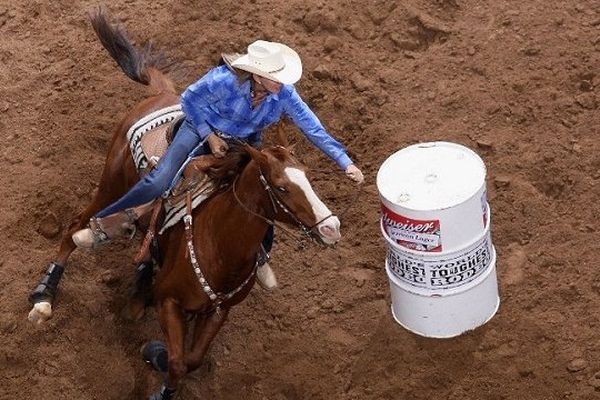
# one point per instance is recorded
(154, 144)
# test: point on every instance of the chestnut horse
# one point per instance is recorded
(207, 266)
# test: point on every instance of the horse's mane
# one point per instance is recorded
(282, 154)
(226, 169)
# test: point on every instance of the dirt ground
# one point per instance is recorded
(515, 81)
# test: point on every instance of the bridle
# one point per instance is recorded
(278, 203)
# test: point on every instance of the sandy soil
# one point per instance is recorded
(515, 81)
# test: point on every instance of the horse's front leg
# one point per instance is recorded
(172, 323)
(206, 328)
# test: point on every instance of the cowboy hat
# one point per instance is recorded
(274, 61)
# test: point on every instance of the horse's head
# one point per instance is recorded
(291, 195)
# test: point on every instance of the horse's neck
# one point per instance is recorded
(234, 229)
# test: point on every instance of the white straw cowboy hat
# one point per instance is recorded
(272, 60)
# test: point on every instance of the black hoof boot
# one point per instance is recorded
(165, 393)
(46, 290)
(155, 353)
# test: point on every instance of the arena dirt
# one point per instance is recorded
(515, 81)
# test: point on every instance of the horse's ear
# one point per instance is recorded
(280, 136)
(256, 155)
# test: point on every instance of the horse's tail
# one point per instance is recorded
(144, 65)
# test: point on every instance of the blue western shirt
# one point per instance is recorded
(219, 101)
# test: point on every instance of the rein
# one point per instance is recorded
(219, 298)
(276, 201)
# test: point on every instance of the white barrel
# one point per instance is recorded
(436, 221)
(447, 315)
(433, 196)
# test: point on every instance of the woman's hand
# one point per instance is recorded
(217, 145)
(354, 173)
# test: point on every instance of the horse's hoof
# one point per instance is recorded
(40, 313)
(155, 353)
(155, 396)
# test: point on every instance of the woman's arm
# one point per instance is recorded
(309, 124)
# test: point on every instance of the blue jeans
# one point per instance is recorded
(187, 144)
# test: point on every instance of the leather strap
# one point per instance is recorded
(150, 234)
(217, 298)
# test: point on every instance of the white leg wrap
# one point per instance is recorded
(266, 277)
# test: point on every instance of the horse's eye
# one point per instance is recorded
(281, 189)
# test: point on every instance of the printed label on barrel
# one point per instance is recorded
(421, 235)
(445, 273)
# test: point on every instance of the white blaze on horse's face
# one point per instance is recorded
(329, 229)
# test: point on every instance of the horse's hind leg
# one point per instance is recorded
(42, 297)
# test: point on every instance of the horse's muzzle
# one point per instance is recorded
(329, 230)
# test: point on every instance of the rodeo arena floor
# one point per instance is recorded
(513, 81)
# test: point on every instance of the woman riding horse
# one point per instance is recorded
(234, 101)
(207, 264)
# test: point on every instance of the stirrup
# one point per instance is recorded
(165, 393)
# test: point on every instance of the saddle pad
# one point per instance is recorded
(148, 125)
(143, 126)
